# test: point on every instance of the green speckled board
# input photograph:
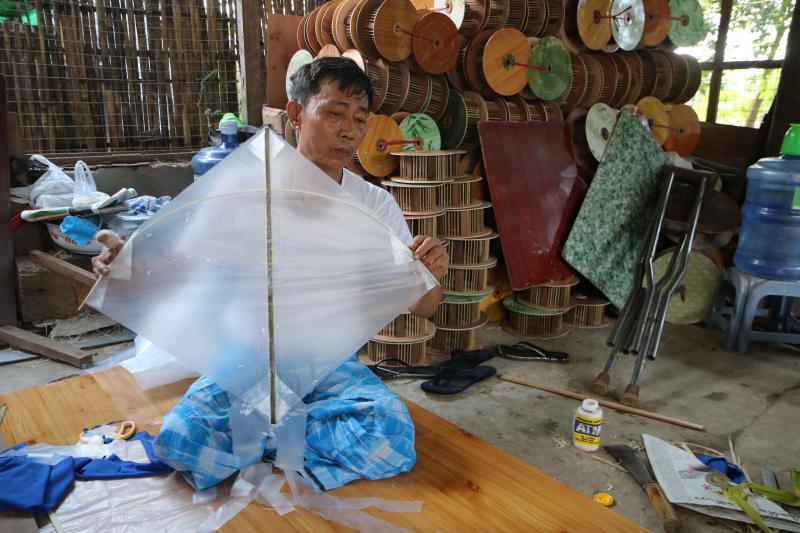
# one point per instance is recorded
(608, 233)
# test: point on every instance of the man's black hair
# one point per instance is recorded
(307, 80)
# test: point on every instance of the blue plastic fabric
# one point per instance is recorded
(356, 428)
(34, 487)
(79, 229)
(719, 464)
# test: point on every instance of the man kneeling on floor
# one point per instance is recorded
(356, 427)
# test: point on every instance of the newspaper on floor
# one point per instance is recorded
(682, 479)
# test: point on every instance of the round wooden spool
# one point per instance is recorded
(656, 22)
(435, 43)
(600, 122)
(610, 77)
(594, 26)
(551, 296)
(588, 313)
(628, 23)
(453, 122)
(680, 76)
(692, 80)
(516, 109)
(373, 152)
(594, 81)
(299, 59)
(656, 114)
(406, 326)
(393, 29)
(323, 23)
(517, 14)
(552, 111)
(497, 109)
(663, 80)
(400, 116)
(439, 95)
(428, 167)
(694, 297)
(476, 111)
(459, 312)
(649, 73)
(503, 49)
(329, 50)
(551, 82)
(536, 111)
(470, 251)
(424, 225)
(300, 35)
(446, 340)
(358, 58)
(523, 321)
(466, 221)
(310, 33)
(466, 279)
(475, 16)
(341, 24)
(468, 165)
(379, 76)
(473, 60)
(397, 88)
(498, 14)
(456, 76)
(569, 32)
(577, 89)
(419, 93)
(536, 17)
(690, 27)
(555, 18)
(457, 193)
(453, 9)
(684, 130)
(410, 353)
(414, 199)
(580, 146)
(624, 79)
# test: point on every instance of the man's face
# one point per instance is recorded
(332, 125)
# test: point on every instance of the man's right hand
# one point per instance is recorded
(111, 247)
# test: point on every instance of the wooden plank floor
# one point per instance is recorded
(466, 484)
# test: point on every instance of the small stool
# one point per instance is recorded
(779, 314)
(726, 317)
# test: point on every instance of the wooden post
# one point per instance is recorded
(248, 32)
(8, 298)
(719, 57)
(787, 100)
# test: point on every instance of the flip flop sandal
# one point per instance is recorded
(453, 381)
(525, 351)
(401, 369)
(467, 359)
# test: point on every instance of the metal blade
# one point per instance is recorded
(627, 457)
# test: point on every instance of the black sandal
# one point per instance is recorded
(455, 380)
(467, 359)
(526, 351)
(401, 369)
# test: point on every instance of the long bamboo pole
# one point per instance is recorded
(604, 403)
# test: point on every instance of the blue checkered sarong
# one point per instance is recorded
(356, 428)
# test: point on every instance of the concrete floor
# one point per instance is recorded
(753, 398)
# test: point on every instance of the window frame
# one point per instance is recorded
(718, 64)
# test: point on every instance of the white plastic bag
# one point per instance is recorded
(54, 188)
(85, 190)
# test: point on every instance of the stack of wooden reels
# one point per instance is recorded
(403, 341)
(458, 62)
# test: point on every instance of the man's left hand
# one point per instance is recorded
(432, 254)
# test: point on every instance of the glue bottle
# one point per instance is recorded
(587, 425)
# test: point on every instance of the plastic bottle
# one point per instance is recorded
(770, 231)
(587, 425)
(206, 158)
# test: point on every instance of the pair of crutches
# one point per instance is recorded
(639, 327)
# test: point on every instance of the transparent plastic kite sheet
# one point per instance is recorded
(194, 281)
